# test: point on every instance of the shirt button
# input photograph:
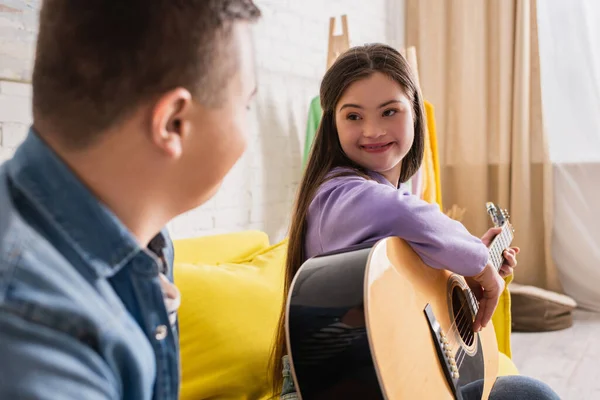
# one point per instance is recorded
(161, 332)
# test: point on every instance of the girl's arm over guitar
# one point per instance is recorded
(349, 210)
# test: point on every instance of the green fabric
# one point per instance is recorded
(312, 125)
(314, 119)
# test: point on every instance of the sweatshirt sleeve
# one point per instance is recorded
(354, 210)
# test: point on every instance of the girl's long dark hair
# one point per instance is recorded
(326, 153)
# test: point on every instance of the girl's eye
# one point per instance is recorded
(353, 117)
(389, 113)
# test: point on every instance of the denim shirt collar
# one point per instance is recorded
(91, 228)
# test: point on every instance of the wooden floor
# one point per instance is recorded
(567, 360)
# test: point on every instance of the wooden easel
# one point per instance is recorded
(337, 43)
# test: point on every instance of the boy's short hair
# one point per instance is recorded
(98, 60)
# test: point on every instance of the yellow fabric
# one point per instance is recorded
(220, 248)
(506, 366)
(431, 179)
(227, 319)
(433, 143)
(428, 173)
(502, 320)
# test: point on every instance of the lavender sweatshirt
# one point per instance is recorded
(349, 210)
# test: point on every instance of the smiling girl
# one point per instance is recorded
(370, 141)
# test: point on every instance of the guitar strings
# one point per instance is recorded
(461, 353)
(466, 325)
(503, 242)
(463, 318)
(460, 318)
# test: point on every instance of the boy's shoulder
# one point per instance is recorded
(37, 283)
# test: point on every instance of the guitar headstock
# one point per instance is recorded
(500, 217)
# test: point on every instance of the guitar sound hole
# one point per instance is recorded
(463, 318)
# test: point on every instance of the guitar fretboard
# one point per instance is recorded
(500, 243)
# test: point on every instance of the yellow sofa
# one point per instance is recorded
(231, 293)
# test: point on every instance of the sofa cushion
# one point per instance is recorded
(506, 366)
(228, 316)
(228, 247)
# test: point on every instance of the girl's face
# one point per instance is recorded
(374, 119)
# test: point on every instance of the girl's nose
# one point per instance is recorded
(373, 131)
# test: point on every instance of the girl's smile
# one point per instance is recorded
(377, 147)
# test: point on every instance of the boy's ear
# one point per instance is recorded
(171, 121)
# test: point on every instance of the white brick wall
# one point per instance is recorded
(291, 44)
(15, 116)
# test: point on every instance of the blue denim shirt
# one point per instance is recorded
(82, 314)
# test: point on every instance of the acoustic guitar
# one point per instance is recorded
(374, 322)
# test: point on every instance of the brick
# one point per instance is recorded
(15, 89)
(231, 197)
(15, 109)
(269, 212)
(5, 154)
(268, 196)
(258, 214)
(201, 219)
(236, 217)
(190, 223)
(13, 133)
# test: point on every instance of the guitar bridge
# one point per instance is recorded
(444, 352)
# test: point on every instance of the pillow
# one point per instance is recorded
(227, 319)
(228, 247)
(506, 366)
(538, 310)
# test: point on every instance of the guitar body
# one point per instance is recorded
(374, 322)
(398, 288)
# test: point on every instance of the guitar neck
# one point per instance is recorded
(500, 243)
